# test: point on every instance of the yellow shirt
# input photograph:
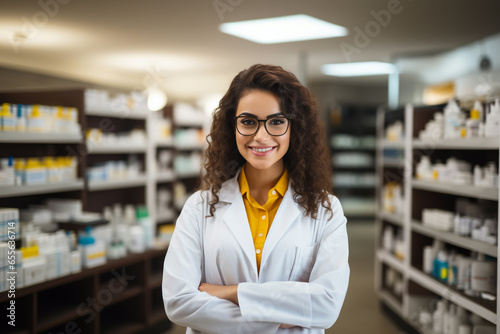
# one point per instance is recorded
(260, 217)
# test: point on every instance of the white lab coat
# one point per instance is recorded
(303, 276)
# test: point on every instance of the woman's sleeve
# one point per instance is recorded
(316, 303)
(182, 274)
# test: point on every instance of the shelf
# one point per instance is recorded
(394, 218)
(188, 146)
(456, 189)
(55, 316)
(123, 114)
(168, 176)
(390, 260)
(393, 162)
(165, 218)
(354, 166)
(191, 123)
(127, 293)
(354, 186)
(138, 181)
(449, 293)
(164, 142)
(188, 174)
(157, 315)
(40, 138)
(458, 144)
(155, 280)
(400, 144)
(15, 191)
(116, 149)
(455, 239)
(122, 327)
(392, 302)
(360, 147)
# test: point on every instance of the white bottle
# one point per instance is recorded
(147, 225)
(136, 239)
(492, 123)
(388, 242)
(472, 124)
(446, 319)
(428, 259)
(461, 316)
(437, 318)
(464, 329)
(483, 275)
(453, 320)
(424, 169)
(453, 120)
(478, 176)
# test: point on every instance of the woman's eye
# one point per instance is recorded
(276, 121)
(247, 121)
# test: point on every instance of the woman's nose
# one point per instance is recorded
(261, 133)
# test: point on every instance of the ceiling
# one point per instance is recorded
(132, 44)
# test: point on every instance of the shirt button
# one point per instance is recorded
(274, 192)
(261, 235)
(257, 251)
(264, 217)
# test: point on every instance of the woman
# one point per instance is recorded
(262, 248)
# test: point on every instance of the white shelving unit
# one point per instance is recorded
(412, 228)
(99, 194)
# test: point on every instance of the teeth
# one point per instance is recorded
(262, 150)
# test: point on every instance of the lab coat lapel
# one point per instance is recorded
(236, 219)
(287, 213)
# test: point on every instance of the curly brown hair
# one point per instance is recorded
(307, 159)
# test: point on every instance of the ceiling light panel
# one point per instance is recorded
(358, 69)
(283, 29)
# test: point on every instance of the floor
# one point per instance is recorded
(361, 301)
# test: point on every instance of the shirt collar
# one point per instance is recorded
(281, 186)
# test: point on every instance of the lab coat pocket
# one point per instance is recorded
(303, 263)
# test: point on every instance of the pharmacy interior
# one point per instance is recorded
(98, 153)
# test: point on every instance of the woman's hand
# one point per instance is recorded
(229, 292)
(286, 326)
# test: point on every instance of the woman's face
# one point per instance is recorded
(261, 150)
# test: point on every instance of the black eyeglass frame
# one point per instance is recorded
(265, 126)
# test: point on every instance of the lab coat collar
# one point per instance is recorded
(237, 220)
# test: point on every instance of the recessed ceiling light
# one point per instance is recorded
(283, 29)
(358, 69)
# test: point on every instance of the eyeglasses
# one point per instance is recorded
(249, 125)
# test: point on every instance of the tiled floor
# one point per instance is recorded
(361, 312)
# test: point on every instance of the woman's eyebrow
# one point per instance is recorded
(275, 115)
(255, 116)
(247, 114)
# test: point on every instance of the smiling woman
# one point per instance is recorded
(262, 247)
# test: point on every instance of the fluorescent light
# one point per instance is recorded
(157, 99)
(283, 29)
(358, 69)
